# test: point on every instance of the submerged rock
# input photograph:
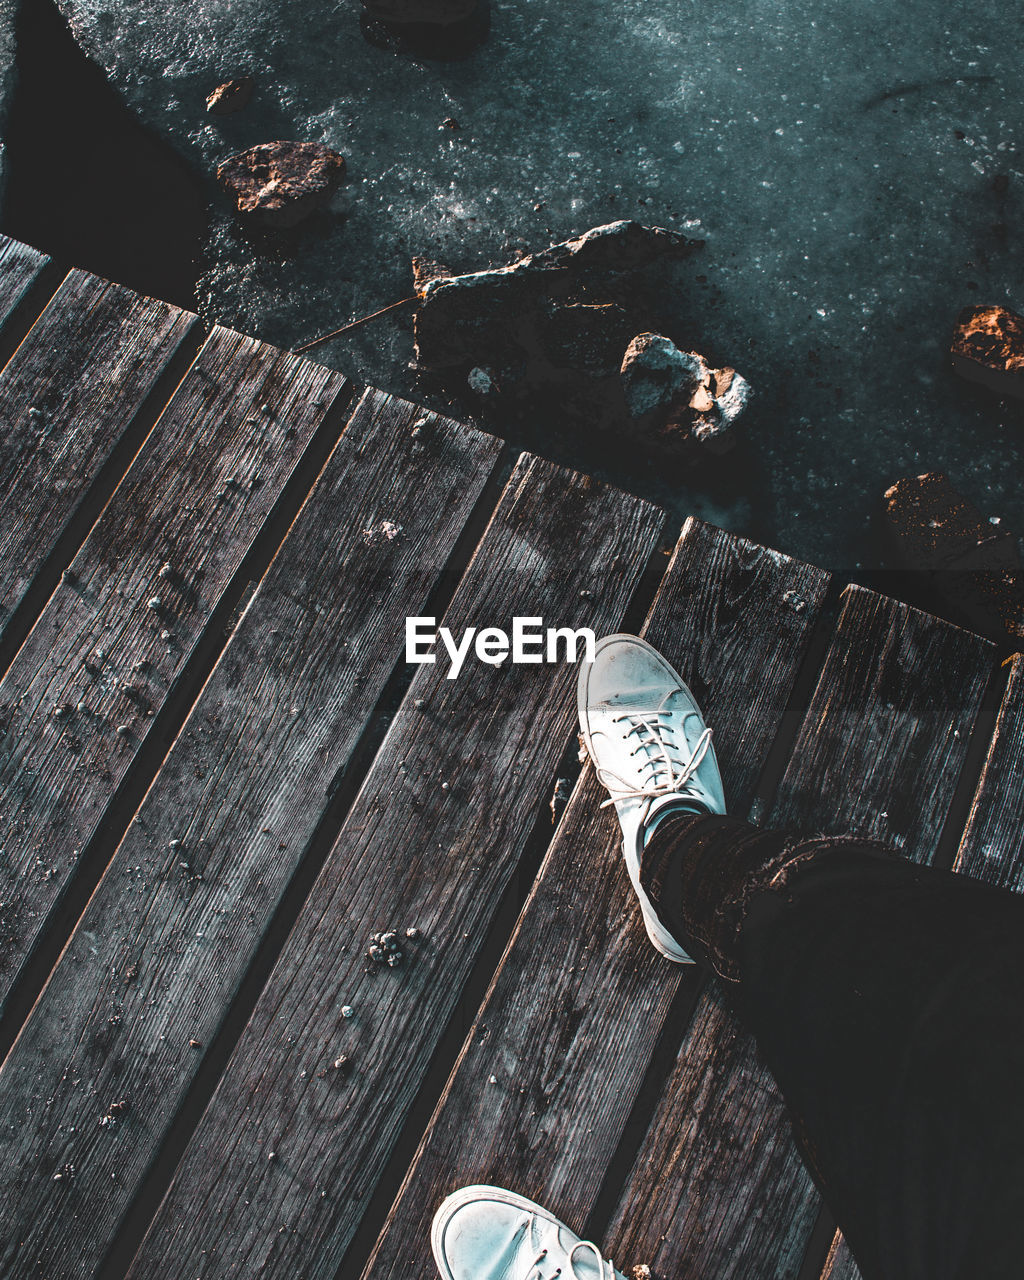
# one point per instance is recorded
(972, 563)
(523, 307)
(988, 347)
(675, 399)
(231, 96)
(549, 328)
(280, 183)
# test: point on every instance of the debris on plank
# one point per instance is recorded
(549, 328)
(231, 96)
(386, 531)
(973, 564)
(559, 798)
(385, 949)
(115, 1110)
(281, 183)
(675, 399)
(988, 347)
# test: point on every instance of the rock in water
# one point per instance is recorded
(434, 12)
(971, 562)
(231, 96)
(655, 373)
(988, 347)
(550, 327)
(280, 183)
(529, 303)
(674, 398)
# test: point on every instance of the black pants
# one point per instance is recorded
(888, 1001)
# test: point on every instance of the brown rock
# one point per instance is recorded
(972, 563)
(280, 183)
(231, 96)
(988, 347)
(433, 12)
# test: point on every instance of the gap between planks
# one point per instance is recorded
(448, 464)
(237, 558)
(561, 1110)
(78, 398)
(492, 955)
(28, 279)
(728, 1195)
(493, 738)
(823, 610)
(342, 793)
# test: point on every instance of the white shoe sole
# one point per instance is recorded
(660, 938)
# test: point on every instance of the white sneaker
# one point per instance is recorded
(486, 1233)
(651, 749)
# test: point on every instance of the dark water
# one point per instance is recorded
(856, 175)
(86, 182)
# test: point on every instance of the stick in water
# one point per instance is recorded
(353, 324)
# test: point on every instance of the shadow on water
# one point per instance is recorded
(86, 182)
(447, 43)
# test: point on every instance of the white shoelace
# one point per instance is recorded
(654, 735)
(605, 1270)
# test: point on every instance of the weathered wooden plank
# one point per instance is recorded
(719, 1189)
(67, 397)
(991, 850)
(840, 1264)
(558, 1054)
(113, 643)
(162, 947)
(280, 1169)
(20, 269)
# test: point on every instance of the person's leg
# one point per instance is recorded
(885, 998)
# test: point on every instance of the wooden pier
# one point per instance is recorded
(220, 779)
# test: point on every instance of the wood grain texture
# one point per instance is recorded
(991, 850)
(558, 1054)
(840, 1263)
(719, 1189)
(281, 1167)
(20, 268)
(67, 396)
(113, 642)
(166, 938)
